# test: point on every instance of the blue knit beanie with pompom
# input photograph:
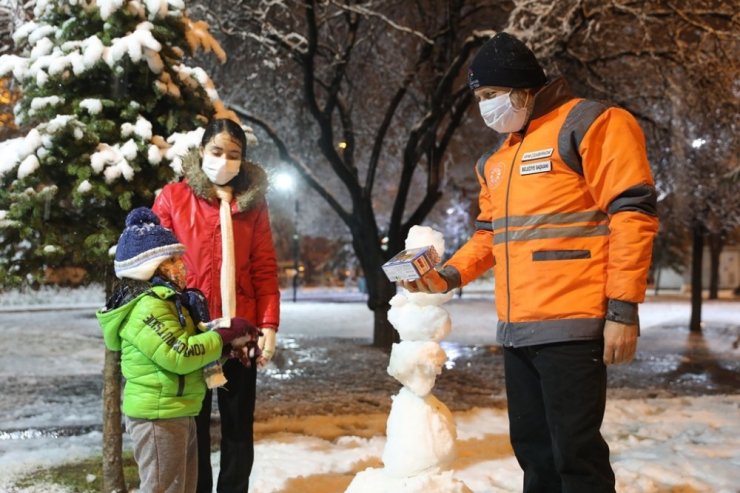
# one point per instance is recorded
(143, 245)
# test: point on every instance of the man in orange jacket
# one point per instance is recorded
(567, 220)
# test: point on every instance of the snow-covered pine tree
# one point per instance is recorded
(109, 102)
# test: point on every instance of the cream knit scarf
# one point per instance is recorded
(228, 271)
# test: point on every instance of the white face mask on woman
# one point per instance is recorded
(219, 169)
(500, 114)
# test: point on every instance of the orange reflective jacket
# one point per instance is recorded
(567, 220)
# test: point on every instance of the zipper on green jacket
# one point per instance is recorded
(180, 385)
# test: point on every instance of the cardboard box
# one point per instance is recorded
(411, 264)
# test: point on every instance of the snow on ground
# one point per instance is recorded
(684, 444)
(658, 445)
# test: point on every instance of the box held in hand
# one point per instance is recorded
(411, 264)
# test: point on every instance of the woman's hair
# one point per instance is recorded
(232, 128)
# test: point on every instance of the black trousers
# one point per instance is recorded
(236, 406)
(556, 398)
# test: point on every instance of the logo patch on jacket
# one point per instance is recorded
(495, 175)
(528, 156)
(532, 168)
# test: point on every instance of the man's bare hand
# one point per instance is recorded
(620, 342)
(431, 282)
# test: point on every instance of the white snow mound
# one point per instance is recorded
(416, 322)
(421, 435)
(421, 236)
(416, 365)
(379, 481)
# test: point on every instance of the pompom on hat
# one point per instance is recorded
(143, 245)
(505, 61)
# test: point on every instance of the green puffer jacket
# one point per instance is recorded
(161, 360)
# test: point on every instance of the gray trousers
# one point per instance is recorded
(166, 451)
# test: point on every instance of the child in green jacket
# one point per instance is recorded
(162, 352)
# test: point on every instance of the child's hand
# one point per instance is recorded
(248, 354)
(246, 350)
(243, 341)
(239, 327)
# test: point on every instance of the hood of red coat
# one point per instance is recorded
(250, 185)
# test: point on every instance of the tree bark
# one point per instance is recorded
(113, 478)
(380, 290)
(384, 335)
(715, 250)
(329, 91)
(696, 270)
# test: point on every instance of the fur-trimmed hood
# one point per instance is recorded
(250, 185)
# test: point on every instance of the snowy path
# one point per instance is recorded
(682, 444)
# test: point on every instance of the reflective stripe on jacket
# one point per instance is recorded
(568, 212)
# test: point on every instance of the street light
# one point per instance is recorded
(285, 183)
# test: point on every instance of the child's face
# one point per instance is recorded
(174, 269)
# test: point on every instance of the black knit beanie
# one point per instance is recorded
(507, 62)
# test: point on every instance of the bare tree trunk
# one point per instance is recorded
(715, 250)
(380, 290)
(384, 335)
(113, 479)
(657, 279)
(696, 268)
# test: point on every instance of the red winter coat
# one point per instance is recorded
(190, 209)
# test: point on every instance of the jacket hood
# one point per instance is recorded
(250, 185)
(111, 320)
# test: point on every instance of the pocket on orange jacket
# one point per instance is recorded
(546, 255)
(555, 283)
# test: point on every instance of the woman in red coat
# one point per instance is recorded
(223, 196)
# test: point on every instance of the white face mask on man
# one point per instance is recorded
(219, 169)
(500, 115)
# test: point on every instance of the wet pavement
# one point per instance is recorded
(56, 391)
(335, 376)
